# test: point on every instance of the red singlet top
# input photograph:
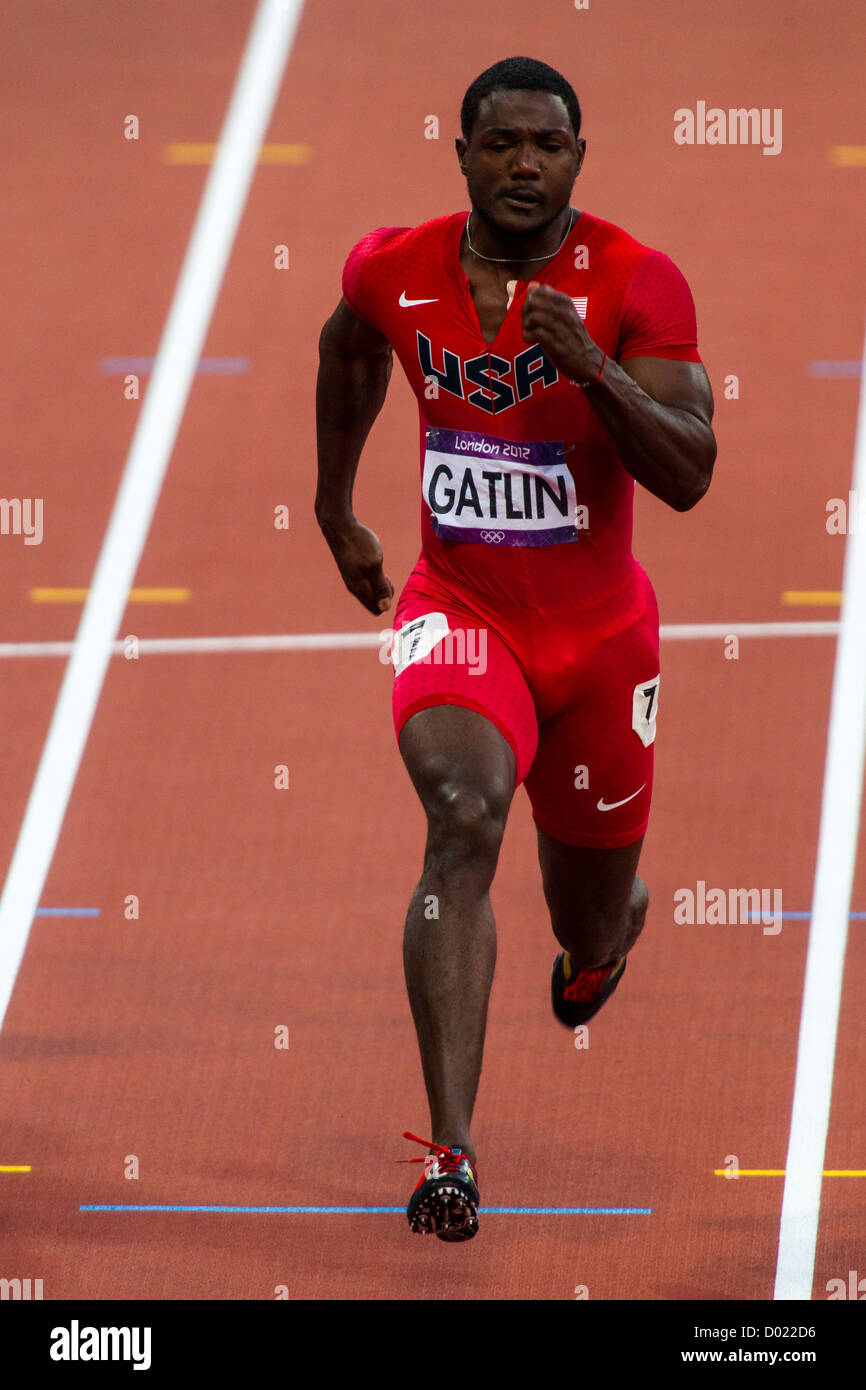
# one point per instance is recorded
(524, 498)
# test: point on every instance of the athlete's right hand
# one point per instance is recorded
(358, 554)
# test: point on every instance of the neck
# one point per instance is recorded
(489, 239)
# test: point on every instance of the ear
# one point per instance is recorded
(462, 149)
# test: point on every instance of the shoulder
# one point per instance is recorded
(388, 246)
(655, 308)
(382, 256)
(624, 251)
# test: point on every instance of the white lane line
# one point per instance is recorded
(210, 244)
(831, 902)
(690, 632)
(333, 641)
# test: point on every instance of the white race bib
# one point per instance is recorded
(499, 491)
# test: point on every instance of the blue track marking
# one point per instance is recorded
(794, 916)
(806, 916)
(355, 1211)
(797, 916)
(68, 911)
(831, 368)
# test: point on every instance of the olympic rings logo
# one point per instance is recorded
(493, 536)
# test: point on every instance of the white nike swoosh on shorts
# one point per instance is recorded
(613, 805)
(410, 303)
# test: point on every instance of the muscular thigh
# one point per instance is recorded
(590, 784)
(455, 754)
(446, 659)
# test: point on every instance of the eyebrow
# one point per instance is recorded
(511, 130)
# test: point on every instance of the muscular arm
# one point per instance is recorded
(355, 364)
(657, 411)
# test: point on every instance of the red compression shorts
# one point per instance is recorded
(575, 696)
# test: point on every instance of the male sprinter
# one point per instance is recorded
(555, 362)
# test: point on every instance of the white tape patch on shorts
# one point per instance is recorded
(644, 708)
(417, 638)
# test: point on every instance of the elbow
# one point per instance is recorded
(691, 496)
(326, 341)
(698, 484)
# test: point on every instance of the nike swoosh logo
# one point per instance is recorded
(604, 806)
(410, 303)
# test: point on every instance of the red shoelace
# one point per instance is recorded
(585, 985)
(449, 1161)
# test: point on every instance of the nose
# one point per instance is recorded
(526, 161)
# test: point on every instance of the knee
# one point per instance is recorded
(466, 820)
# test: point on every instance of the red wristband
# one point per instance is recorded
(592, 380)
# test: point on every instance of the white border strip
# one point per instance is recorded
(831, 902)
(213, 234)
(334, 641)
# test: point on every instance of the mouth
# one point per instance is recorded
(522, 199)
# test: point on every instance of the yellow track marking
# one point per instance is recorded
(815, 598)
(848, 156)
(135, 595)
(268, 154)
(780, 1173)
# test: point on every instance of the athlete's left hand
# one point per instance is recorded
(551, 320)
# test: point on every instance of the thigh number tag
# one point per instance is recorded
(416, 639)
(644, 708)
